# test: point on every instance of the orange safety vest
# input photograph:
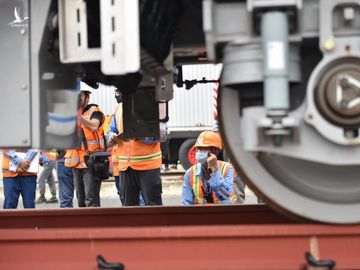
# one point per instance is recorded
(136, 154)
(114, 160)
(95, 140)
(107, 121)
(197, 184)
(7, 173)
(51, 155)
(139, 156)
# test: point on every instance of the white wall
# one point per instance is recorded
(104, 97)
(188, 108)
(194, 107)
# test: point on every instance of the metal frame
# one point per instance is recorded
(120, 37)
(334, 49)
(15, 75)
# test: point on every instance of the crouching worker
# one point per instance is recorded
(210, 181)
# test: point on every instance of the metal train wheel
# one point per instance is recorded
(301, 189)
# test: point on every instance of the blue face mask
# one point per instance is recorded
(201, 156)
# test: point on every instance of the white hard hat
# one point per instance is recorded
(85, 87)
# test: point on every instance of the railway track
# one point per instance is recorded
(172, 175)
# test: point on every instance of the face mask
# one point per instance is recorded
(201, 156)
(118, 98)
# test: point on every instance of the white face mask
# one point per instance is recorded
(201, 156)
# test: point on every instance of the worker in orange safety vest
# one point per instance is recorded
(139, 163)
(87, 185)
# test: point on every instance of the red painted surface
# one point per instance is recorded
(275, 245)
(202, 247)
(140, 216)
(192, 155)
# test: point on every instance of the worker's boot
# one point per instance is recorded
(53, 199)
(41, 199)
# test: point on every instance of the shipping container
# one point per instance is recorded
(191, 111)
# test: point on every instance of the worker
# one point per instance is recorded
(210, 180)
(18, 178)
(139, 164)
(87, 184)
(48, 161)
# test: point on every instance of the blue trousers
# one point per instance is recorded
(66, 185)
(14, 186)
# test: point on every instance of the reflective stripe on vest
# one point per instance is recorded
(196, 184)
(74, 159)
(140, 158)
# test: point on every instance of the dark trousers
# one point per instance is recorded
(117, 184)
(14, 186)
(118, 189)
(148, 182)
(66, 185)
(87, 188)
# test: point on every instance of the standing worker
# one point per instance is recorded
(17, 180)
(87, 184)
(48, 161)
(210, 180)
(139, 164)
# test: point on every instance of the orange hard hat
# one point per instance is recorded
(209, 139)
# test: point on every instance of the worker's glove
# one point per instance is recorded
(212, 163)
